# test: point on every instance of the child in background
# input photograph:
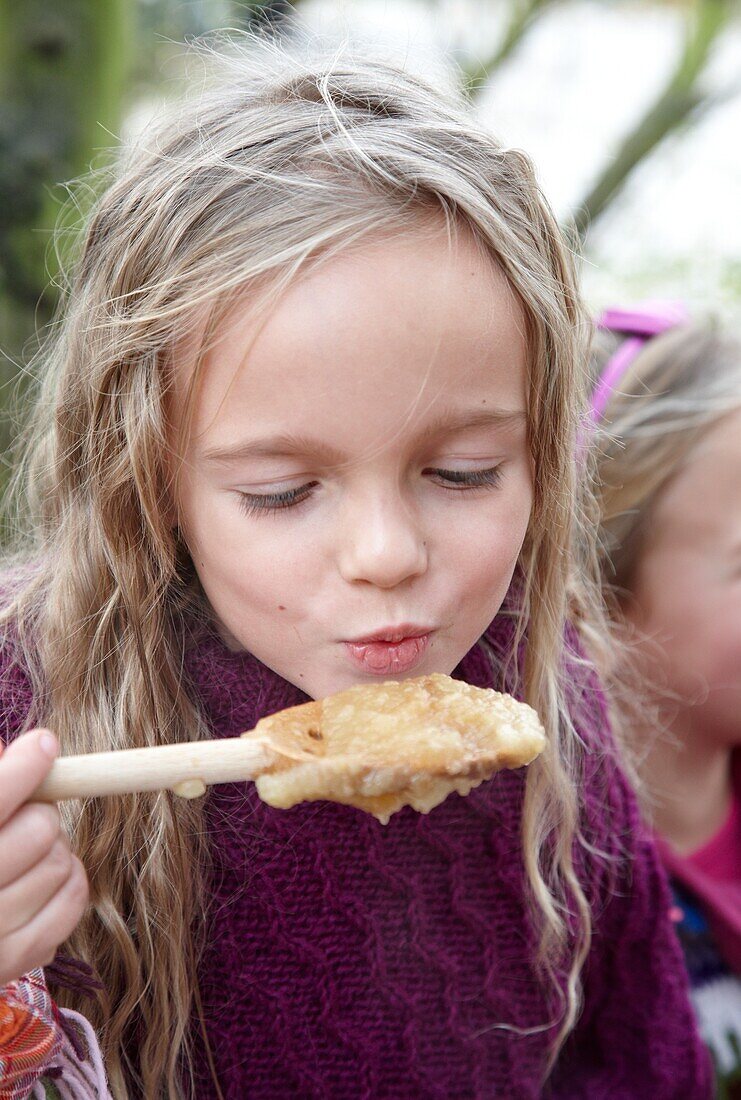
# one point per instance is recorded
(309, 421)
(667, 411)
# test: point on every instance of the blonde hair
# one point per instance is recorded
(680, 384)
(279, 160)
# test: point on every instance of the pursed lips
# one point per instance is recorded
(390, 651)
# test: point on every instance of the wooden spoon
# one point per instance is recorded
(377, 746)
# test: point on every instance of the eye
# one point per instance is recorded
(468, 479)
(254, 503)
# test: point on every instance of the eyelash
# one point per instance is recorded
(255, 504)
(273, 502)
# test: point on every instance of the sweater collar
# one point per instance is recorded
(234, 688)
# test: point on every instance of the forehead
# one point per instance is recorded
(383, 335)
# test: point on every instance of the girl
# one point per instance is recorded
(310, 420)
(668, 436)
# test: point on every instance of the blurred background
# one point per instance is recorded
(631, 110)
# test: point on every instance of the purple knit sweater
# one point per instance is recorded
(347, 959)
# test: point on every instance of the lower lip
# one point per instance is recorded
(388, 658)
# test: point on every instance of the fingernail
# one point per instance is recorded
(49, 744)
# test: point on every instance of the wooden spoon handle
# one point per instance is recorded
(184, 768)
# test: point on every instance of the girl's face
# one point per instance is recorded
(357, 482)
(687, 591)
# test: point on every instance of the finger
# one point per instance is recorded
(29, 836)
(24, 764)
(36, 943)
(24, 898)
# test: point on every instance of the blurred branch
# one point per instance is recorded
(265, 14)
(523, 14)
(681, 99)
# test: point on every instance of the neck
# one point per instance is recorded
(690, 782)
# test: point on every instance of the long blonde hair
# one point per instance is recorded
(279, 159)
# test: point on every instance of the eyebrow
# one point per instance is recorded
(287, 444)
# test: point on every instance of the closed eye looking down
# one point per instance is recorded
(254, 503)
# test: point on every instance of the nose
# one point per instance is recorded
(380, 541)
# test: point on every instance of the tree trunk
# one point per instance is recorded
(681, 98)
(63, 68)
(522, 16)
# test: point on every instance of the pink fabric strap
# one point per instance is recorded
(639, 323)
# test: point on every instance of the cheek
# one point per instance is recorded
(487, 556)
(723, 637)
(695, 616)
(480, 550)
(246, 565)
(505, 532)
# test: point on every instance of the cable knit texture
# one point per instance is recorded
(346, 959)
